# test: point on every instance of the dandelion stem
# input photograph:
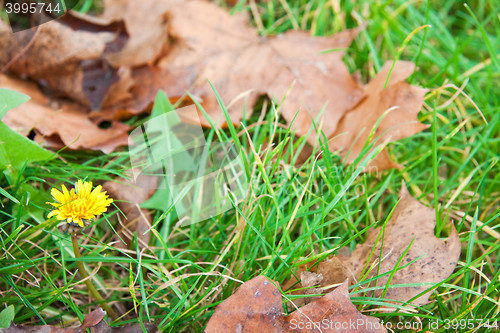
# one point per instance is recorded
(88, 281)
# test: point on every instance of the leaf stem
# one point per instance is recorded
(88, 281)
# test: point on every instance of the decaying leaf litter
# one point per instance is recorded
(111, 68)
(94, 322)
(187, 45)
(402, 251)
(403, 254)
(256, 306)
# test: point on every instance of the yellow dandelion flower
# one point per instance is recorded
(81, 203)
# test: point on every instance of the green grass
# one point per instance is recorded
(294, 212)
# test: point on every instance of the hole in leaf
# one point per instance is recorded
(104, 124)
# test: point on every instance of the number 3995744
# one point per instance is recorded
(32, 8)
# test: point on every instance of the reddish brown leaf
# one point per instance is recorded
(241, 65)
(315, 278)
(93, 321)
(65, 59)
(93, 318)
(210, 44)
(321, 80)
(256, 307)
(146, 22)
(404, 101)
(151, 79)
(137, 48)
(90, 320)
(67, 121)
(410, 221)
(128, 196)
(56, 47)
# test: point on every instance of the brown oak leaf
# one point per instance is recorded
(404, 102)
(60, 123)
(242, 66)
(257, 307)
(435, 259)
(68, 56)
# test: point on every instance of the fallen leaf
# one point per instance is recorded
(103, 84)
(90, 320)
(67, 121)
(316, 278)
(152, 79)
(103, 327)
(94, 321)
(55, 45)
(70, 62)
(146, 22)
(321, 80)
(208, 44)
(128, 196)
(242, 66)
(435, 258)
(93, 318)
(256, 306)
(404, 100)
(138, 48)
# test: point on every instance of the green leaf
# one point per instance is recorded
(10, 99)
(16, 150)
(7, 316)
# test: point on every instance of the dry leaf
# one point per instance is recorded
(405, 102)
(69, 124)
(207, 43)
(256, 307)
(242, 66)
(103, 327)
(410, 221)
(102, 84)
(320, 80)
(56, 46)
(90, 320)
(151, 79)
(70, 62)
(93, 321)
(146, 22)
(121, 60)
(316, 278)
(128, 196)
